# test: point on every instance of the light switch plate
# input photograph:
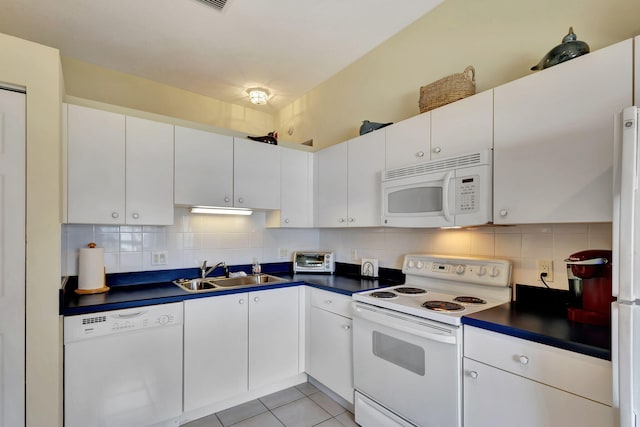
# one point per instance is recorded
(369, 267)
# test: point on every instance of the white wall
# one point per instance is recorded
(192, 239)
(237, 240)
(522, 244)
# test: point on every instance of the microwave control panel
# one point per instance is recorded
(467, 194)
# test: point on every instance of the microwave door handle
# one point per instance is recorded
(445, 196)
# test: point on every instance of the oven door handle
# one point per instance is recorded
(400, 323)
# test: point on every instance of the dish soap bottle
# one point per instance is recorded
(256, 268)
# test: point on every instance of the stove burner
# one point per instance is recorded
(410, 291)
(469, 300)
(384, 295)
(442, 306)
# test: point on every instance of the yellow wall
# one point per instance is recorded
(502, 39)
(89, 81)
(38, 68)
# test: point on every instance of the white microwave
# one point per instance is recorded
(448, 192)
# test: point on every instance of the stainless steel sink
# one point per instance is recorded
(252, 280)
(196, 285)
(218, 283)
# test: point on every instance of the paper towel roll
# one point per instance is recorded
(91, 268)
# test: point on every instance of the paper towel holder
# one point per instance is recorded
(102, 289)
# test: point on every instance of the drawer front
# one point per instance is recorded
(331, 301)
(573, 372)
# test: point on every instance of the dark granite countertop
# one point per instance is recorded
(529, 321)
(128, 290)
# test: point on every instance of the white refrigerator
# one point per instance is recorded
(626, 270)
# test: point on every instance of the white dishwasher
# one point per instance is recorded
(124, 367)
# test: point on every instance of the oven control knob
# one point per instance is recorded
(473, 374)
(411, 264)
(460, 268)
(420, 265)
(495, 272)
(482, 270)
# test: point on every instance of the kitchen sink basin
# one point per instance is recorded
(252, 280)
(196, 285)
(218, 283)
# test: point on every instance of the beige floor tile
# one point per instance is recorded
(327, 403)
(210, 421)
(332, 422)
(282, 397)
(347, 419)
(266, 419)
(301, 413)
(307, 388)
(241, 412)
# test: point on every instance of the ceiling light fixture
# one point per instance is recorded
(258, 95)
(220, 211)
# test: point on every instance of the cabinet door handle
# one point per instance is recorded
(340, 220)
(351, 219)
(346, 327)
(523, 360)
(135, 215)
(240, 200)
(241, 301)
(286, 221)
(227, 199)
(115, 215)
(437, 150)
(256, 299)
(328, 301)
(504, 212)
(420, 154)
(473, 374)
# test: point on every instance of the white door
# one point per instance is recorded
(12, 256)
(256, 174)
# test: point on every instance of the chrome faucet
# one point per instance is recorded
(204, 271)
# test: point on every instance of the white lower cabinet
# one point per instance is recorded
(215, 349)
(510, 381)
(273, 336)
(330, 344)
(236, 343)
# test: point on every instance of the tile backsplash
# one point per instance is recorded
(238, 240)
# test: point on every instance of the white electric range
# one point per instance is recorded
(407, 339)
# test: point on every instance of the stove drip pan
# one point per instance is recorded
(442, 306)
(469, 300)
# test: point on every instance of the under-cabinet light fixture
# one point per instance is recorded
(258, 95)
(220, 211)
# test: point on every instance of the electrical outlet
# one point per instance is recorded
(283, 253)
(545, 266)
(354, 254)
(159, 258)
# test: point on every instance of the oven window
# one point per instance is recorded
(309, 260)
(401, 353)
(415, 200)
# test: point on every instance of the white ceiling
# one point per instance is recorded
(287, 46)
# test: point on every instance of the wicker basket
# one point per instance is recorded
(448, 89)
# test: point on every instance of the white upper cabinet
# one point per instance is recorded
(120, 169)
(95, 166)
(463, 126)
(553, 139)
(149, 167)
(332, 188)
(365, 165)
(636, 95)
(203, 168)
(296, 190)
(256, 177)
(349, 182)
(408, 141)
